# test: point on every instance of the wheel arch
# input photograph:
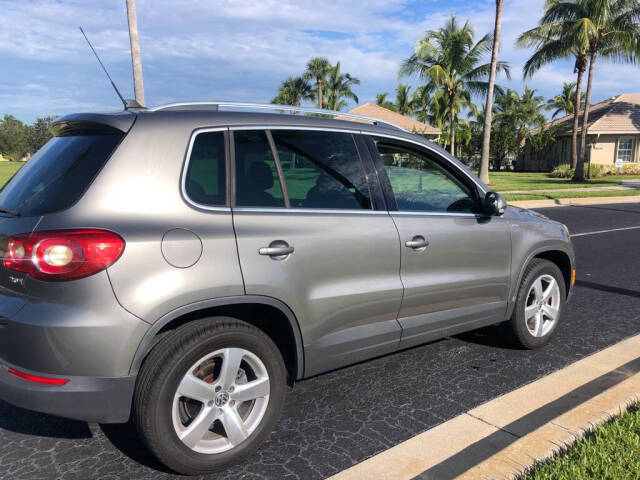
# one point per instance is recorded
(277, 321)
(555, 254)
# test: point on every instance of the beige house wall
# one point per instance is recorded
(603, 150)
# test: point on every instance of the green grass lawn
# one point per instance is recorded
(7, 169)
(612, 452)
(505, 181)
(513, 197)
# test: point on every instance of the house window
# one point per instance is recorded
(625, 149)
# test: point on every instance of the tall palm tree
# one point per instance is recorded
(293, 91)
(339, 88)
(486, 138)
(136, 60)
(449, 60)
(317, 69)
(403, 99)
(587, 29)
(420, 102)
(381, 100)
(565, 102)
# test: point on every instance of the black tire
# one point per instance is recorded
(516, 327)
(165, 367)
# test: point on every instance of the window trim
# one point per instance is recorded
(444, 164)
(633, 148)
(185, 170)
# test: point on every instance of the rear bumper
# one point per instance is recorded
(91, 399)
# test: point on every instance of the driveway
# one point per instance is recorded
(336, 420)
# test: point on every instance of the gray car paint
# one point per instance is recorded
(341, 288)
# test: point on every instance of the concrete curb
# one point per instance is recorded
(505, 436)
(563, 202)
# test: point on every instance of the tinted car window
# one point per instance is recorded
(257, 181)
(206, 177)
(58, 174)
(322, 169)
(420, 184)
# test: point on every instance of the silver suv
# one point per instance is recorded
(182, 265)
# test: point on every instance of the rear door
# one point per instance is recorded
(455, 260)
(310, 235)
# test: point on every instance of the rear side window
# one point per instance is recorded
(59, 173)
(205, 182)
(322, 169)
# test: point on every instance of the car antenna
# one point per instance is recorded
(128, 104)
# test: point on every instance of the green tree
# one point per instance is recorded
(381, 100)
(39, 133)
(293, 91)
(403, 99)
(14, 138)
(587, 29)
(420, 103)
(339, 88)
(565, 102)
(449, 59)
(317, 69)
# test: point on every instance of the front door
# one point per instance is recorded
(455, 260)
(308, 235)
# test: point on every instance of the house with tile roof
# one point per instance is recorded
(403, 121)
(613, 136)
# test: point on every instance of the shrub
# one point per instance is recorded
(595, 170)
(562, 171)
(630, 169)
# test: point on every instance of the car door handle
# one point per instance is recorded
(417, 243)
(278, 250)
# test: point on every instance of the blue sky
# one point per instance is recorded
(240, 50)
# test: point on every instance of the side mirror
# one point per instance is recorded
(494, 204)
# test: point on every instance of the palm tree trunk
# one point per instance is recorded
(452, 128)
(579, 173)
(320, 102)
(486, 140)
(136, 60)
(574, 135)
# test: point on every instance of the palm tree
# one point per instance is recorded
(448, 59)
(486, 139)
(420, 102)
(519, 113)
(293, 91)
(136, 60)
(318, 68)
(565, 102)
(587, 29)
(339, 88)
(403, 100)
(381, 100)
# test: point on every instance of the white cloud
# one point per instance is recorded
(235, 49)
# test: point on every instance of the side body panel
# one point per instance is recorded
(461, 279)
(341, 280)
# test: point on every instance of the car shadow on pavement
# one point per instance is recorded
(608, 288)
(26, 422)
(124, 437)
(492, 336)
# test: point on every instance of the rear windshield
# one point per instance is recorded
(58, 174)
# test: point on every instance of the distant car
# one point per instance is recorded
(181, 265)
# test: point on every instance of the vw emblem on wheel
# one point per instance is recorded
(221, 399)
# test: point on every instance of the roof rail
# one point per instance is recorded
(268, 106)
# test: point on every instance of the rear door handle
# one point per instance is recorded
(278, 250)
(418, 243)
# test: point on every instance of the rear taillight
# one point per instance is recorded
(63, 254)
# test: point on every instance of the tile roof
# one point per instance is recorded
(402, 121)
(620, 114)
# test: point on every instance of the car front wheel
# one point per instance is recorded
(209, 394)
(539, 304)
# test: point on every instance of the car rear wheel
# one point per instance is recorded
(539, 304)
(209, 394)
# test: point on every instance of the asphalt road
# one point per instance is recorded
(336, 420)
